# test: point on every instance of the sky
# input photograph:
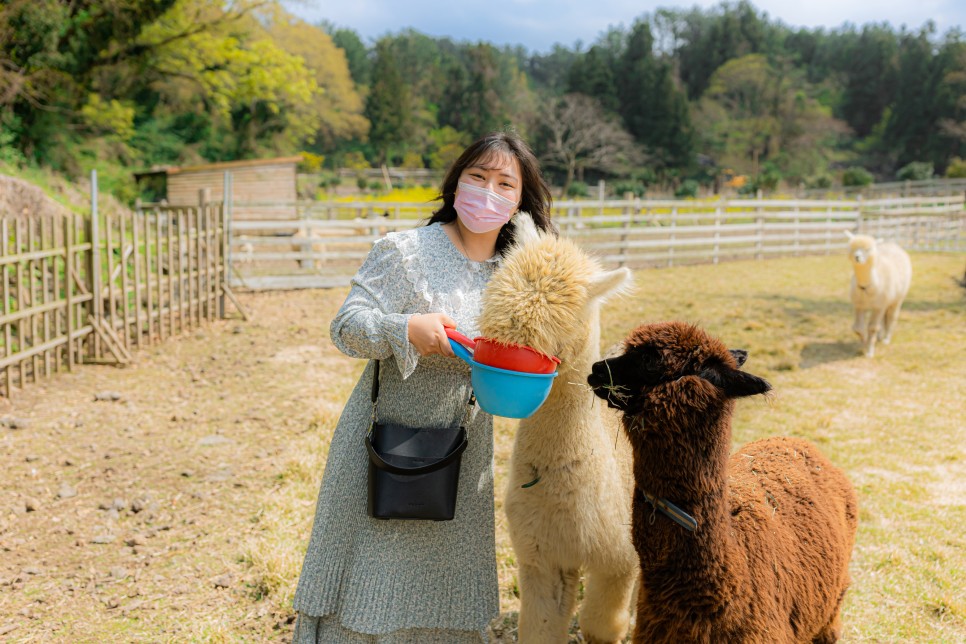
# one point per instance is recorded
(539, 24)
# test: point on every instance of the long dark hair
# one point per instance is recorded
(535, 199)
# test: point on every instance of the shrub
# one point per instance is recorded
(412, 160)
(328, 179)
(819, 181)
(956, 169)
(578, 189)
(644, 175)
(361, 183)
(856, 176)
(916, 171)
(623, 187)
(355, 160)
(688, 188)
(766, 181)
(9, 153)
(311, 162)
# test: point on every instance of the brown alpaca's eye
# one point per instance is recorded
(649, 360)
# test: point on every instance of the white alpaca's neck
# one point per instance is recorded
(567, 425)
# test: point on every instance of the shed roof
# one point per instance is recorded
(224, 165)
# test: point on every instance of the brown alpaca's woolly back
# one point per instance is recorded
(776, 521)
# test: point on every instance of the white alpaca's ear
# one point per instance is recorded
(608, 283)
(525, 230)
(848, 233)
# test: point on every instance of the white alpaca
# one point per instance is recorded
(881, 276)
(568, 498)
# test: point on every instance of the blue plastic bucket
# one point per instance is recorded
(501, 392)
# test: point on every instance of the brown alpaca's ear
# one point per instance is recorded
(740, 355)
(735, 383)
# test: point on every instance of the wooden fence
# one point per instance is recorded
(325, 246)
(80, 289)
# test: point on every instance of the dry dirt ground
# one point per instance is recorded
(126, 493)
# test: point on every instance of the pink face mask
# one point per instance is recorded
(482, 210)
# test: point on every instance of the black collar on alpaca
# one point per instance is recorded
(671, 511)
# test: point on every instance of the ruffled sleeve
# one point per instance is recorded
(371, 322)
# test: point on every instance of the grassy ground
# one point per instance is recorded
(219, 440)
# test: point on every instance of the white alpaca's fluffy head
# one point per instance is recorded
(862, 248)
(546, 292)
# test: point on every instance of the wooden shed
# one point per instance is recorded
(261, 188)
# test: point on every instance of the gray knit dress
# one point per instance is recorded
(369, 580)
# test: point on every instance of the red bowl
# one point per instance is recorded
(506, 355)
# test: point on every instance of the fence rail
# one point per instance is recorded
(326, 245)
(79, 289)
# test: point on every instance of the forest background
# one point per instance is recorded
(678, 100)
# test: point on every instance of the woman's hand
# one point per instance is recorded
(428, 334)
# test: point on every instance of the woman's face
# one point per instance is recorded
(499, 173)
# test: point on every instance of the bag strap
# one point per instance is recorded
(375, 383)
(378, 461)
(471, 401)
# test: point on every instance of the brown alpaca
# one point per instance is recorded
(775, 523)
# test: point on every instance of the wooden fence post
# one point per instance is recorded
(68, 292)
(625, 226)
(136, 258)
(717, 232)
(600, 197)
(7, 336)
(760, 229)
(828, 230)
(225, 241)
(674, 225)
(204, 196)
(97, 304)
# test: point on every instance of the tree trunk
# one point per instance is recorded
(568, 180)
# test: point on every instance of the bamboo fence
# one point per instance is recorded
(88, 289)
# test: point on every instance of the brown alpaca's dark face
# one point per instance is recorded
(672, 366)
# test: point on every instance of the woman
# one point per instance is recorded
(395, 581)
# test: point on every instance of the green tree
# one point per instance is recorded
(388, 105)
(447, 145)
(336, 107)
(708, 40)
(952, 101)
(593, 75)
(357, 56)
(870, 78)
(551, 72)
(50, 52)
(911, 132)
(654, 110)
(754, 112)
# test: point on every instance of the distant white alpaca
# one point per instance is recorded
(568, 498)
(881, 276)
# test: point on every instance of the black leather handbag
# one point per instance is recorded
(413, 471)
